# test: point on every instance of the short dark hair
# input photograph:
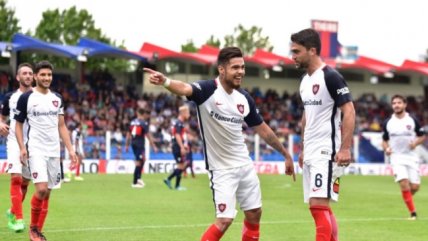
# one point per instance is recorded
(24, 65)
(44, 64)
(308, 38)
(227, 54)
(396, 96)
(142, 111)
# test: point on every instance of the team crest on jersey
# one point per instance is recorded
(10, 166)
(409, 127)
(336, 185)
(55, 103)
(315, 88)
(35, 174)
(222, 207)
(240, 108)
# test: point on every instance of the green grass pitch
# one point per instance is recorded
(106, 208)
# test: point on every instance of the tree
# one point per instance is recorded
(66, 27)
(189, 47)
(248, 39)
(212, 41)
(9, 24)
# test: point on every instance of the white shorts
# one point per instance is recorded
(236, 184)
(409, 172)
(14, 164)
(45, 169)
(321, 179)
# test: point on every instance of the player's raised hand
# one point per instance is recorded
(156, 78)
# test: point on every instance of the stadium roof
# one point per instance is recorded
(373, 65)
(271, 59)
(25, 43)
(155, 52)
(413, 66)
(96, 48)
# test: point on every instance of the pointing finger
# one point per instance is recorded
(148, 70)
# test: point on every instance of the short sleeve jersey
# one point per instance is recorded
(178, 128)
(322, 94)
(77, 140)
(221, 116)
(139, 129)
(9, 104)
(399, 132)
(42, 112)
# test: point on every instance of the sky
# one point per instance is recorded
(391, 31)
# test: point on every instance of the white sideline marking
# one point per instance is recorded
(175, 226)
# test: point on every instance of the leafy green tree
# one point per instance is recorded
(248, 39)
(212, 41)
(189, 47)
(9, 24)
(66, 27)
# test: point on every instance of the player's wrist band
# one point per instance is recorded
(167, 82)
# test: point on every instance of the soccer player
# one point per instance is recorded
(77, 142)
(138, 130)
(180, 147)
(223, 107)
(43, 109)
(19, 174)
(401, 134)
(328, 124)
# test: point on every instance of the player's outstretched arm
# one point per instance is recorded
(270, 138)
(175, 86)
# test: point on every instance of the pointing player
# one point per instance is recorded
(326, 135)
(44, 112)
(223, 107)
(401, 134)
(19, 174)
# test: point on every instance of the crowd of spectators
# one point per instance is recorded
(101, 105)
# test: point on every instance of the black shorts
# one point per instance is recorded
(139, 153)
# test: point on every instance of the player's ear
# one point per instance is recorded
(220, 69)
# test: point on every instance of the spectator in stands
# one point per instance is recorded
(223, 107)
(402, 133)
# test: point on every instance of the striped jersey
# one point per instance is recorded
(221, 116)
(322, 94)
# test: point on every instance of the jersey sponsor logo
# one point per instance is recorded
(219, 117)
(312, 102)
(222, 207)
(343, 91)
(315, 88)
(35, 174)
(240, 108)
(55, 103)
(48, 113)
